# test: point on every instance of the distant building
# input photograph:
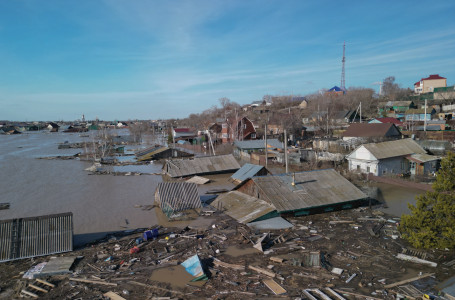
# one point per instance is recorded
(387, 120)
(365, 131)
(246, 130)
(427, 85)
(335, 91)
(419, 114)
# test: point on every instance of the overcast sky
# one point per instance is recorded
(163, 59)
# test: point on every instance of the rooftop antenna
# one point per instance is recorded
(342, 84)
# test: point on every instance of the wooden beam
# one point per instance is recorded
(262, 271)
(45, 282)
(38, 288)
(93, 281)
(388, 286)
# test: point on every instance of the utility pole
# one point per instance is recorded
(360, 112)
(265, 145)
(425, 117)
(342, 69)
(286, 150)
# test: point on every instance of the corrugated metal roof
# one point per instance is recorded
(177, 196)
(394, 148)
(242, 207)
(311, 189)
(36, 236)
(246, 171)
(259, 144)
(201, 165)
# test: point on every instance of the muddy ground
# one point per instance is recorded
(345, 240)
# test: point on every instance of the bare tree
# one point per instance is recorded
(137, 129)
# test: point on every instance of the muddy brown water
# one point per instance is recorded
(100, 203)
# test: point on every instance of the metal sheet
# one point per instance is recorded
(36, 236)
(201, 165)
(246, 171)
(242, 207)
(177, 196)
(271, 224)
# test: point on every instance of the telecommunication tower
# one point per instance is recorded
(342, 84)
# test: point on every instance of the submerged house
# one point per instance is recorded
(201, 166)
(391, 157)
(303, 193)
(174, 197)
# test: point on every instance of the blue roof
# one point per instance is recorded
(246, 172)
(335, 89)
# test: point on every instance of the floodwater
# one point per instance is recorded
(395, 198)
(100, 203)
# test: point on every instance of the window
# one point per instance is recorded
(368, 169)
(358, 167)
(253, 135)
(244, 126)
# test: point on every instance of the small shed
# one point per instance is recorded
(174, 197)
(201, 166)
(248, 171)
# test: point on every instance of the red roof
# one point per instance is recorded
(434, 76)
(431, 77)
(390, 120)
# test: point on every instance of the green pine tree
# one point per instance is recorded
(431, 223)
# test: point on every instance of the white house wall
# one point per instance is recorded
(362, 153)
(363, 166)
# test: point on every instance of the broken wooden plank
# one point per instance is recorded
(356, 295)
(262, 271)
(29, 294)
(388, 286)
(274, 287)
(113, 296)
(155, 287)
(93, 281)
(45, 282)
(37, 288)
(335, 294)
(416, 260)
(198, 180)
(277, 259)
(220, 263)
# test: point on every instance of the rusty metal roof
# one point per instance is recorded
(242, 207)
(36, 236)
(177, 196)
(312, 189)
(201, 165)
(394, 148)
(246, 171)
